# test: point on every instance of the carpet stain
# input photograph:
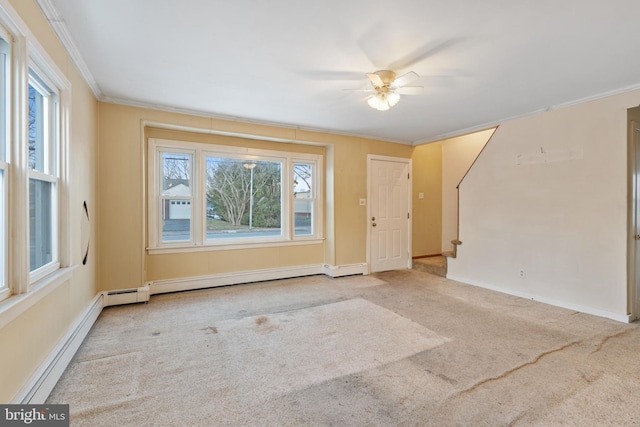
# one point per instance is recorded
(210, 330)
(265, 326)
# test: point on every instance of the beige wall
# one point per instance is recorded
(458, 154)
(427, 211)
(548, 195)
(123, 230)
(27, 340)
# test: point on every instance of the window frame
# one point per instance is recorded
(201, 151)
(192, 187)
(51, 153)
(5, 138)
(23, 287)
(315, 192)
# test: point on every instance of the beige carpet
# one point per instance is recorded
(397, 348)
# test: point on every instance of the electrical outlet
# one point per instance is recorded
(522, 274)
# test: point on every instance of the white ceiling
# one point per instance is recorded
(287, 62)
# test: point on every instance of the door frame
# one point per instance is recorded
(633, 304)
(408, 162)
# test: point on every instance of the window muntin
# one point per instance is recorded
(222, 210)
(244, 198)
(43, 180)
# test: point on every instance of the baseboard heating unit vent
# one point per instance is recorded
(126, 296)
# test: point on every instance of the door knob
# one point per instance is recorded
(637, 237)
(374, 224)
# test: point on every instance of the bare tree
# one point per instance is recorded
(35, 128)
(229, 184)
(302, 173)
(228, 188)
(176, 169)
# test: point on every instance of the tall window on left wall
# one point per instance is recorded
(34, 198)
(4, 137)
(43, 175)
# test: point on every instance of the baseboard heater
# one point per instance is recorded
(127, 296)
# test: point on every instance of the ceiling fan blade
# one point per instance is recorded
(423, 52)
(405, 78)
(409, 90)
(331, 75)
(360, 90)
(376, 81)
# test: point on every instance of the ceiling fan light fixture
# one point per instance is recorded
(374, 101)
(382, 101)
(393, 98)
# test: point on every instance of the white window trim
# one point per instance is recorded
(27, 53)
(5, 109)
(156, 178)
(201, 152)
(317, 191)
(51, 164)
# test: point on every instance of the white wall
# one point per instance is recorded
(549, 195)
(458, 154)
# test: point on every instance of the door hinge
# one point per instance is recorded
(408, 176)
(407, 215)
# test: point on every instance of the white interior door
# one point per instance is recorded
(389, 210)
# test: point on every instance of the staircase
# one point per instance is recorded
(436, 264)
(433, 265)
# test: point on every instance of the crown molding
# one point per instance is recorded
(60, 29)
(190, 112)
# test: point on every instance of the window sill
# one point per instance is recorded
(209, 248)
(12, 307)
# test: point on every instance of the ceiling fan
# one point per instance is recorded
(388, 88)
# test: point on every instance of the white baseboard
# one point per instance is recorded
(345, 270)
(235, 278)
(624, 318)
(42, 382)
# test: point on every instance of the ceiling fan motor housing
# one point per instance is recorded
(386, 76)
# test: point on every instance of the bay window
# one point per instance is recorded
(204, 196)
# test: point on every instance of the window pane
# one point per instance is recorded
(36, 130)
(176, 220)
(4, 99)
(302, 192)
(40, 223)
(303, 218)
(176, 187)
(176, 174)
(244, 198)
(4, 137)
